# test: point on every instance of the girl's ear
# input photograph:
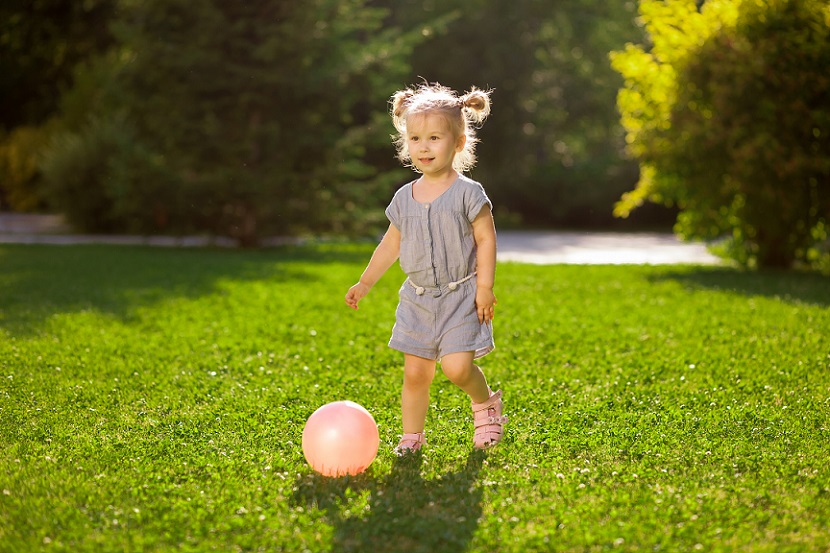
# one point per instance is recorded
(460, 142)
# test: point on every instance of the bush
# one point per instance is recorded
(19, 175)
(236, 119)
(264, 111)
(737, 130)
(104, 180)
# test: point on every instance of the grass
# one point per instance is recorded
(154, 399)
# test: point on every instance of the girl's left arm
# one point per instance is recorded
(484, 233)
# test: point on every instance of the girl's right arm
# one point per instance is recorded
(385, 255)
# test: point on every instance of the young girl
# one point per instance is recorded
(441, 228)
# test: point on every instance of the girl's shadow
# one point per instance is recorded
(405, 511)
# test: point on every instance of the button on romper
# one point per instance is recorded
(436, 314)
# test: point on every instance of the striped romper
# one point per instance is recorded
(436, 314)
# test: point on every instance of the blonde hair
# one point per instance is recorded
(464, 114)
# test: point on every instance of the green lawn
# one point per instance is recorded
(154, 399)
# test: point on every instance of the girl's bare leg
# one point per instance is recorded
(465, 374)
(417, 377)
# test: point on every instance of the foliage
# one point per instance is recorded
(729, 116)
(270, 115)
(552, 150)
(245, 120)
(98, 171)
(104, 181)
(670, 408)
(19, 153)
(266, 112)
(40, 43)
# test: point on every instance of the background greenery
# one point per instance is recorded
(728, 114)
(166, 116)
(187, 117)
(651, 408)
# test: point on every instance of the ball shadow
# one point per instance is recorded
(405, 511)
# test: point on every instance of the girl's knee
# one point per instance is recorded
(458, 374)
(458, 368)
(418, 372)
(419, 378)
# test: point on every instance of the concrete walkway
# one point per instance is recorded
(606, 248)
(538, 247)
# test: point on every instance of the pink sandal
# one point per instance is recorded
(488, 421)
(410, 443)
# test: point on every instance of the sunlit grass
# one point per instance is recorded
(153, 399)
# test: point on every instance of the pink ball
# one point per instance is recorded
(340, 438)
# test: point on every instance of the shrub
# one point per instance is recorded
(19, 175)
(735, 128)
(104, 180)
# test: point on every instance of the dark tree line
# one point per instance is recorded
(269, 116)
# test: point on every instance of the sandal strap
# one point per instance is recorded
(489, 402)
(489, 412)
(486, 431)
(491, 420)
(417, 438)
(488, 421)
(410, 443)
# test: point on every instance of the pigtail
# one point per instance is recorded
(476, 103)
(400, 102)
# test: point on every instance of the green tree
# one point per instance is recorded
(728, 114)
(552, 152)
(41, 41)
(263, 115)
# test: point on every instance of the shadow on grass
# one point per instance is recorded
(406, 513)
(37, 281)
(810, 288)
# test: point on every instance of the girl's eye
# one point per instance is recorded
(433, 138)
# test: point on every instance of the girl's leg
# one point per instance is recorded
(487, 407)
(465, 374)
(417, 377)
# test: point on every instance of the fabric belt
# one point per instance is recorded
(420, 290)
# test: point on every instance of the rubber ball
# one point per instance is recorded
(340, 438)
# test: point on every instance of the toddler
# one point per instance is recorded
(441, 228)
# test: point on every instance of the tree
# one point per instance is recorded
(261, 115)
(552, 152)
(218, 98)
(729, 116)
(41, 41)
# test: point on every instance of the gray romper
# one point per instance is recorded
(437, 314)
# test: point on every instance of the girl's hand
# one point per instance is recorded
(485, 304)
(356, 293)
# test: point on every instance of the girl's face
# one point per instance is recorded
(432, 144)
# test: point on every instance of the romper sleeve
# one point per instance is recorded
(476, 199)
(393, 211)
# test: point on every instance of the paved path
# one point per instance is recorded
(542, 247)
(590, 248)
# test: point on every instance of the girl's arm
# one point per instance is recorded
(385, 255)
(484, 232)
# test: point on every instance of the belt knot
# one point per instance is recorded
(420, 290)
